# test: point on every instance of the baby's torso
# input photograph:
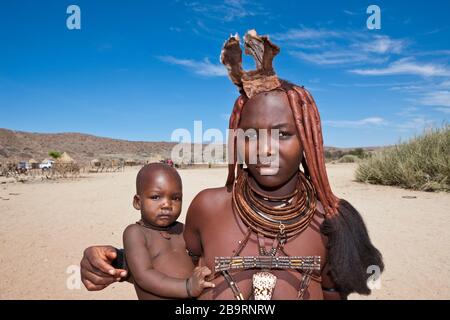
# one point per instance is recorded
(168, 255)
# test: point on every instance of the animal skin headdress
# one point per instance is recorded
(263, 51)
(350, 250)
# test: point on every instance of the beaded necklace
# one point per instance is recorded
(280, 223)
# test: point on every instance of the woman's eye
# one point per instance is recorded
(251, 136)
(283, 134)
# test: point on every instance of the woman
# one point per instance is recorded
(274, 218)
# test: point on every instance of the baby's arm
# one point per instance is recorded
(151, 280)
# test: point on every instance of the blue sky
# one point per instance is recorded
(138, 70)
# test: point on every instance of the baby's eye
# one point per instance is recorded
(154, 197)
(177, 198)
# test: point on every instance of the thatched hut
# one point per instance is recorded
(130, 162)
(33, 164)
(65, 158)
(65, 165)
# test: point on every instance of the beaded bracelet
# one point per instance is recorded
(188, 290)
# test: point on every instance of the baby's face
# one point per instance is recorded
(161, 200)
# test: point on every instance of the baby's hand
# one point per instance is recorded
(196, 283)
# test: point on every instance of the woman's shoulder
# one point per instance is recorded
(212, 196)
(209, 200)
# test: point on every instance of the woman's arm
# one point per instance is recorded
(329, 288)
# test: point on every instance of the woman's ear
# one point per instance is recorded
(137, 202)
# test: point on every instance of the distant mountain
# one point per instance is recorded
(19, 145)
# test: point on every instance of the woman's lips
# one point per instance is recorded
(268, 170)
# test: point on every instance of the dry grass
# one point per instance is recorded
(423, 163)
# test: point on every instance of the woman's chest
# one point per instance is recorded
(227, 235)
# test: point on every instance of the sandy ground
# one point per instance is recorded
(44, 228)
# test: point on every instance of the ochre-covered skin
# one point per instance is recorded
(211, 217)
(213, 228)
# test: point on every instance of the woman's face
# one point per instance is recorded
(270, 111)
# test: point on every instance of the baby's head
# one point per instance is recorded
(158, 194)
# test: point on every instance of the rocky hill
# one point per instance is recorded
(19, 145)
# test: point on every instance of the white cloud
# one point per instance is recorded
(350, 13)
(407, 88)
(436, 98)
(229, 10)
(413, 121)
(406, 66)
(335, 57)
(204, 68)
(445, 84)
(325, 46)
(417, 123)
(408, 111)
(432, 31)
(175, 29)
(374, 121)
(305, 34)
(382, 45)
(444, 110)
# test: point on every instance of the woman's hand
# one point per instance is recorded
(96, 270)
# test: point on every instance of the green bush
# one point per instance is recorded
(423, 163)
(54, 154)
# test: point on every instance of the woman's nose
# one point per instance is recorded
(265, 148)
(264, 143)
(268, 143)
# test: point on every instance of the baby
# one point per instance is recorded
(154, 246)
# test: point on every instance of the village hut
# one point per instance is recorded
(33, 164)
(65, 159)
(130, 162)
